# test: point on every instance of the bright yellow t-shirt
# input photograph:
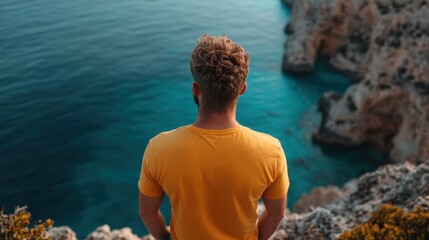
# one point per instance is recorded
(214, 179)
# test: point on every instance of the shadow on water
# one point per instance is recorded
(371, 155)
(323, 76)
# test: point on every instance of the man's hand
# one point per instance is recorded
(152, 217)
(271, 217)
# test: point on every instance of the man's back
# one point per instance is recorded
(214, 179)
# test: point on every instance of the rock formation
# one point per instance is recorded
(383, 47)
(321, 197)
(101, 233)
(404, 185)
(104, 233)
(61, 233)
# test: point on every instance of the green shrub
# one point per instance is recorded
(393, 223)
(15, 226)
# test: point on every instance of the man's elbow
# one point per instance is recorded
(278, 216)
(145, 213)
(142, 213)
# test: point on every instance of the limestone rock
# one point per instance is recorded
(318, 197)
(316, 25)
(104, 233)
(403, 185)
(383, 47)
(61, 233)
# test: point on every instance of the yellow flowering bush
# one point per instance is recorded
(393, 223)
(16, 226)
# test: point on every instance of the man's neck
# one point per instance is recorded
(217, 120)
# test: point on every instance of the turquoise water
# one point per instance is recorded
(85, 84)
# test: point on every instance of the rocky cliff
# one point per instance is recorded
(404, 185)
(383, 47)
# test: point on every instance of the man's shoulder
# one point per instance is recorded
(167, 135)
(263, 138)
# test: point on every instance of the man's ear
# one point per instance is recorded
(195, 89)
(196, 93)
(243, 90)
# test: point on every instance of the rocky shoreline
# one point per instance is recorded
(383, 47)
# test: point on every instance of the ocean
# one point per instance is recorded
(85, 84)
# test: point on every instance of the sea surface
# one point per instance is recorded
(84, 85)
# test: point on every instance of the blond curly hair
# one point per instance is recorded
(220, 68)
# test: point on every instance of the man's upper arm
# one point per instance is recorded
(280, 186)
(275, 207)
(148, 184)
(149, 205)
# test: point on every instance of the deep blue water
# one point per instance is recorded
(84, 84)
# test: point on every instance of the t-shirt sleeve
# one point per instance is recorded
(280, 186)
(147, 184)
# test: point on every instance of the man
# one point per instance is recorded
(215, 170)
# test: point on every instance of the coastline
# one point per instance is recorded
(381, 47)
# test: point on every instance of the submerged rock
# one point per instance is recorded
(383, 47)
(403, 185)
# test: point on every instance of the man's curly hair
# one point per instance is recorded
(220, 68)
